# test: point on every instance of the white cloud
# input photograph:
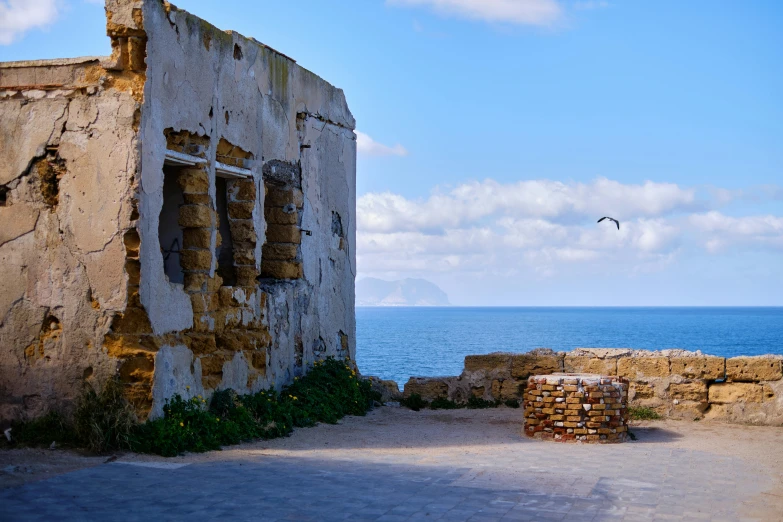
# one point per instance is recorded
(544, 227)
(519, 12)
(368, 146)
(19, 16)
(719, 231)
(588, 5)
(553, 200)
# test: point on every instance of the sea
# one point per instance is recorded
(400, 342)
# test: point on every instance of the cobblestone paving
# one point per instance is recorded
(518, 480)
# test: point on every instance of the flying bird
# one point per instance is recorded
(611, 219)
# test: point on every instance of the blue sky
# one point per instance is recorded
(496, 132)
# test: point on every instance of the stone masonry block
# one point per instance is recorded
(241, 209)
(699, 367)
(279, 251)
(428, 387)
(242, 340)
(280, 217)
(525, 365)
(195, 216)
(244, 190)
(196, 260)
(258, 359)
(246, 275)
(281, 269)
(201, 344)
(197, 199)
(244, 256)
(197, 238)
(511, 389)
(689, 391)
(193, 181)
(640, 367)
(588, 364)
(277, 197)
(724, 393)
(133, 269)
(488, 362)
(754, 369)
(283, 234)
(195, 282)
(243, 230)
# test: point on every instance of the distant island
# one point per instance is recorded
(406, 292)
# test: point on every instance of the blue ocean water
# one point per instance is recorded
(395, 343)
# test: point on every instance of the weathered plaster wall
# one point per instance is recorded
(67, 202)
(675, 383)
(93, 260)
(223, 86)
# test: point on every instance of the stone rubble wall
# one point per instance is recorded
(576, 408)
(675, 383)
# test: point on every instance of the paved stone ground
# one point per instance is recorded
(396, 465)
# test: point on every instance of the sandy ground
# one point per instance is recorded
(469, 437)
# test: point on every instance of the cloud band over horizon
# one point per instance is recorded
(547, 228)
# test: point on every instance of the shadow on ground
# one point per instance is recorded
(650, 434)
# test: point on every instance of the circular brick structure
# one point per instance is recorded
(577, 407)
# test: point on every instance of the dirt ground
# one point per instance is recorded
(427, 437)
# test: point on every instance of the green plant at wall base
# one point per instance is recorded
(104, 421)
(442, 403)
(479, 403)
(186, 425)
(328, 392)
(52, 427)
(512, 403)
(414, 402)
(643, 413)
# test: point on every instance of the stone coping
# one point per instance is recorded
(52, 62)
(576, 378)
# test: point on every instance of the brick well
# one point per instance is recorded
(570, 407)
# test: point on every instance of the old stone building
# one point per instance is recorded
(181, 213)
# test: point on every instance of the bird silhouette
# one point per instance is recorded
(611, 219)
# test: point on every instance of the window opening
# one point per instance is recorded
(225, 249)
(169, 231)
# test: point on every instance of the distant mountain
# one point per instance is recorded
(407, 292)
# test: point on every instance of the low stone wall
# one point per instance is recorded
(675, 383)
(572, 407)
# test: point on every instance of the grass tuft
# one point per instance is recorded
(104, 421)
(643, 413)
(414, 402)
(479, 403)
(442, 403)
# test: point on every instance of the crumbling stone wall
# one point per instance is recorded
(263, 154)
(675, 383)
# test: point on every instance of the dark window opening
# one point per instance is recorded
(225, 249)
(169, 231)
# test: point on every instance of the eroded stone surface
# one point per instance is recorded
(754, 369)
